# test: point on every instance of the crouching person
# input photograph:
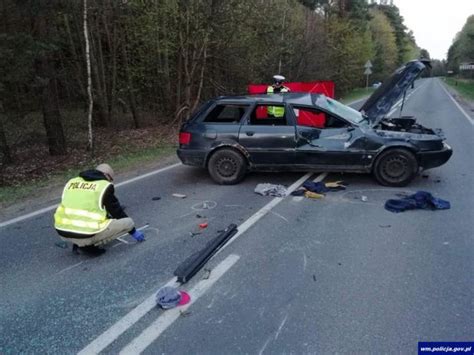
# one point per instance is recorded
(90, 215)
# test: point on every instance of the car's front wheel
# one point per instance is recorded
(227, 167)
(395, 167)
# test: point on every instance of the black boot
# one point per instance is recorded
(91, 250)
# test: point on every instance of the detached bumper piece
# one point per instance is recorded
(196, 261)
(432, 159)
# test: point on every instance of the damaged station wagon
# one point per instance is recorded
(232, 135)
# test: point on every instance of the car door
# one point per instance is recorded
(269, 140)
(325, 141)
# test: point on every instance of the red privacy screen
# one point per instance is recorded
(304, 117)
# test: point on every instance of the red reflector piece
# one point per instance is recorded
(184, 138)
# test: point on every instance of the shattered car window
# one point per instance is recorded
(339, 109)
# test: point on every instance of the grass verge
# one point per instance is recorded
(465, 87)
(122, 162)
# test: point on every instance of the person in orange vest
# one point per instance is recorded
(277, 88)
(90, 215)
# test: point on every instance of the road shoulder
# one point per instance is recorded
(49, 195)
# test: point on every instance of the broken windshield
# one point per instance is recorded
(341, 110)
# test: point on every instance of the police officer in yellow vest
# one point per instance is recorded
(90, 215)
(276, 88)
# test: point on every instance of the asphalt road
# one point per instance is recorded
(307, 276)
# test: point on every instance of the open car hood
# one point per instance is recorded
(383, 99)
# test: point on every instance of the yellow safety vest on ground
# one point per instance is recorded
(81, 209)
(276, 111)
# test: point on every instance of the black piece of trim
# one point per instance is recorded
(189, 267)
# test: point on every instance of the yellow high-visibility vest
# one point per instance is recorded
(81, 209)
(276, 111)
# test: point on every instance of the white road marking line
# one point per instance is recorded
(265, 346)
(52, 207)
(150, 334)
(122, 240)
(69, 267)
(122, 325)
(280, 216)
(265, 209)
(282, 324)
(471, 120)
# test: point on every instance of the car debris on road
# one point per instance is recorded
(267, 189)
(419, 200)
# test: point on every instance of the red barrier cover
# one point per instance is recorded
(304, 118)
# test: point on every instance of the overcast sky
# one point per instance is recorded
(435, 22)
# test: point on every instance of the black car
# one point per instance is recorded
(234, 134)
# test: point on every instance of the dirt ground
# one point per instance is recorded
(36, 168)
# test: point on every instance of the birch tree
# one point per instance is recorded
(90, 143)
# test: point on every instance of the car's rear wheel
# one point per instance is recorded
(227, 166)
(395, 167)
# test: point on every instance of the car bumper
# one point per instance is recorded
(432, 159)
(192, 157)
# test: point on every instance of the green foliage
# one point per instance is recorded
(462, 49)
(160, 58)
(464, 86)
(385, 60)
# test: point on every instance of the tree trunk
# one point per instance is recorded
(100, 112)
(49, 96)
(4, 148)
(90, 143)
(51, 113)
(131, 94)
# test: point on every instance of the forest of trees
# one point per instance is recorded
(462, 49)
(154, 61)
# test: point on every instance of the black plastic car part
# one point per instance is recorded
(189, 267)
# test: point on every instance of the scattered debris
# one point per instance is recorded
(314, 278)
(184, 313)
(207, 274)
(299, 192)
(204, 205)
(179, 195)
(169, 297)
(203, 225)
(62, 245)
(402, 194)
(420, 200)
(339, 264)
(156, 198)
(312, 189)
(385, 225)
(314, 195)
(193, 234)
(271, 190)
(189, 267)
(438, 180)
(364, 198)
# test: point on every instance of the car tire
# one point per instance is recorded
(227, 167)
(395, 167)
